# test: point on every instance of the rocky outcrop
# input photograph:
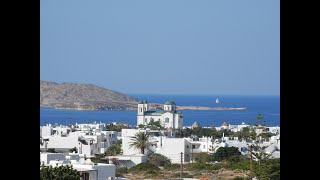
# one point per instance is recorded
(83, 97)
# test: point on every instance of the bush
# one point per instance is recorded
(159, 160)
(51, 150)
(114, 149)
(73, 149)
(98, 159)
(152, 172)
(58, 172)
(214, 166)
(234, 159)
(196, 166)
(172, 167)
(122, 170)
(241, 178)
(184, 175)
(226, 152)
(202, 158)
(144, 167)
(242, 164)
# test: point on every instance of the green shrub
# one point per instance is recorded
(184, 175)
(214, 166)
(114, 149)
(122, 170)
(144, 167)
(51, 150)
(202, 157)
(196, 166)
(243, 165)
(234, 159)
(241, 178)
(73, 150)
(151, 172)
(58, 172)
(172, 167)
(226, 152)
(159, 160)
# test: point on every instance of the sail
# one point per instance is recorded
(217, 100)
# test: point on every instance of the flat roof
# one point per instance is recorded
(84, 170)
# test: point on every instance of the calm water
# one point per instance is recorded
(268, 106)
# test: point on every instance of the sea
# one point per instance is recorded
(267, 106)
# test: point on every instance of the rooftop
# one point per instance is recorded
(159, 112)
(143, 102)
(225, 124)
(170, 103)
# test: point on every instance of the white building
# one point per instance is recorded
(169, 117)
(127, 160)
(90, 126)
(169, 147)
(87, 169)
(90, 139)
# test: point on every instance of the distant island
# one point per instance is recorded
(76, 96)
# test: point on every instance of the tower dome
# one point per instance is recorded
(170, 103)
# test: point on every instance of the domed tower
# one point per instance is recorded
(142, 107)
(169, 106)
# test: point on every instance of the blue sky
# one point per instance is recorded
(219, 47)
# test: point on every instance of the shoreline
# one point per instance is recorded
(185, 108)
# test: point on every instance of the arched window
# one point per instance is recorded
(167, 120)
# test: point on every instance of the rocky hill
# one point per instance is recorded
(83, 97)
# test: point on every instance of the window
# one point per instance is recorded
(187, 146)
(85, 176)
(193, 146)
(146, 120)
(167, 120)
(204, 146)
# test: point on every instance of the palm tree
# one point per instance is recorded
(140, 141)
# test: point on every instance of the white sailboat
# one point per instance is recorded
(217, 100)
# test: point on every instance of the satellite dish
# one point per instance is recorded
(88, 161)
(81, 161)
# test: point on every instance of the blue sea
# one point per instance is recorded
(268, 106)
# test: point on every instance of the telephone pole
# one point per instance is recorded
(250, 162)
(181, 166)
(192, 153)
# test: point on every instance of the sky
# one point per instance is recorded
(207, 47)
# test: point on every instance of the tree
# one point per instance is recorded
(51, 150)
(58, 173)
(155, 124)
(259, 118)
(141, 126)
(265, 136)
(114, 149)
(247, 133)
(226, 152)
(73, 150)
(264, 168)
(159, 160)
(116, 127)
(140, 141)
